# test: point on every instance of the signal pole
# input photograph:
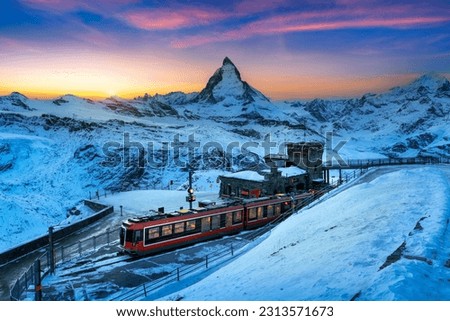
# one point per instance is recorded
(191, 197)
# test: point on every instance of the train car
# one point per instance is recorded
(153, 234)
(259, 212)
(162, 232)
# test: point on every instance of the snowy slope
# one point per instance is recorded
(338, 249)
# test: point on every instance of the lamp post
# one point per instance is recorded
(191, 197)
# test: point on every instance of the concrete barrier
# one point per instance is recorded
(23, 249)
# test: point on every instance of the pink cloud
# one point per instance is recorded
(406, 16)
(163, 18)
(62, 6)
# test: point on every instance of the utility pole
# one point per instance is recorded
(191, 197)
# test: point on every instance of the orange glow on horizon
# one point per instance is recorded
(284, 88)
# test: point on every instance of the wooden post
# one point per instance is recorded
(51, 251)
(37, 281)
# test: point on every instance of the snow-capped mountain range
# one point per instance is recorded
(54, 152)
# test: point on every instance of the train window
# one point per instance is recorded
(277, 209)
(260, 212)
(229, 219)
(223, 220)
(150, 234)
(269, 210)
(206, 224)
(153, 233)
(166, 230)
(215, 222)
(252, 214)
(237, 217)
(190, 225)
(178, 227)
(129, 236)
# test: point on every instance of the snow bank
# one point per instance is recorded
(334, 251)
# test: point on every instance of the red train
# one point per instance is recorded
(162, 232)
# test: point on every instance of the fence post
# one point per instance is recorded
(121, 210)
(232, 250)
(206, 261)
(178, 274)
(94, 238)
(51, 250)
(37, 281)
(145, 290)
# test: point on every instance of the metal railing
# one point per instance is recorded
(61, 254)
(366, 163)
(208, 262)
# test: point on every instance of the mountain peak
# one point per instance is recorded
(226, 84)
(227, 61)
(431, 80)
(427, 84)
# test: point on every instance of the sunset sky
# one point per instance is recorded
(284, 48)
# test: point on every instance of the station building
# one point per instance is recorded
(299, 170)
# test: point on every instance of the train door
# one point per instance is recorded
(137, 236)
(122, 236)
(206, 224)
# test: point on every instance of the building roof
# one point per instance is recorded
(247, 175)
(289, 171)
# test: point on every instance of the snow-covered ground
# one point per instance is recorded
(339, 249)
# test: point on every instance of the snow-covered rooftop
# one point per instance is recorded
(247, 175)
(289, 171)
